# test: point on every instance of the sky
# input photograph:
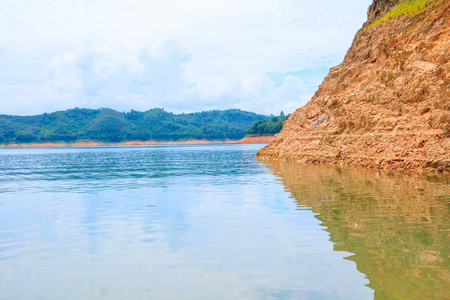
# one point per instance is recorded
(184, 56)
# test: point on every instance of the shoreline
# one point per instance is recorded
(245, 140)
(262, 139)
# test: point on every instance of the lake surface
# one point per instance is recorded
(211, 222)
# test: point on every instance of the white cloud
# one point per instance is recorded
(62, 76)
(183, 56)
(140, 79)
(127, 78)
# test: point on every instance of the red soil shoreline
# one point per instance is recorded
(263, 139)
(247, 140)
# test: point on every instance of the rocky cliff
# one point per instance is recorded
(387, 105)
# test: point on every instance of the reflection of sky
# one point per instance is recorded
(231, 234)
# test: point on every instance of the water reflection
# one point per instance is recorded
(397, 225)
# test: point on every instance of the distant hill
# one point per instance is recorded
(108, 125)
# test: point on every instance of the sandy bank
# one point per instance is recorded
(256, 140)
(127, 143)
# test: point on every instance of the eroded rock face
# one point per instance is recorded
(386, 106)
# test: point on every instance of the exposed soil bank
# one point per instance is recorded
(387, 105)
(128, 143)
(256, 140)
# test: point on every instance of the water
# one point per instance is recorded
(211, 222)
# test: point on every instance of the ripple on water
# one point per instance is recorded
(210, 222)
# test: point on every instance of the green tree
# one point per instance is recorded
(268, 127)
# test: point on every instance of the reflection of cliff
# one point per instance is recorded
(388, 104)
(397, 225)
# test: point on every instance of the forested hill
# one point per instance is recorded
(107, 125)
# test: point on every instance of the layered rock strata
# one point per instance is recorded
(387, 105)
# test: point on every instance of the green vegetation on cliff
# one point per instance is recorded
(403, 7)
(107, 125)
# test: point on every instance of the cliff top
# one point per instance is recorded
(380, 7)
(384, 10)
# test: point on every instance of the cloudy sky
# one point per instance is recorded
(258, 55)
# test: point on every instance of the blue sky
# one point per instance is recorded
(184, 56)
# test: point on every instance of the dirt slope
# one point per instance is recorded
(387, 105)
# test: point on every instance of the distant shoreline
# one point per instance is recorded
(245, 140)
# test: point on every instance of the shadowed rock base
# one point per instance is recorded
(386, 106)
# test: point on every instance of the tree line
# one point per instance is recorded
(108, 125)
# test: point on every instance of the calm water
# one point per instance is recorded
(211, 222)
